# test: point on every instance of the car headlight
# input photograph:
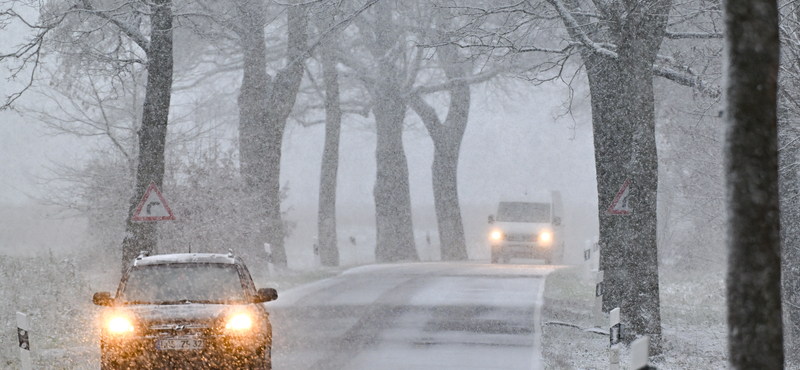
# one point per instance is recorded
(496, 235)
(545, 236)
(120, 325)
(239, 322)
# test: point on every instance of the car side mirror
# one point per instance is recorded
(102, 299)
(491, 219)
(556, 221)
(266, 295)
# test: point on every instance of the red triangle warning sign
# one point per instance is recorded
(620, 204)
(153, 207)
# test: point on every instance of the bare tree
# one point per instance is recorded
(755, 337)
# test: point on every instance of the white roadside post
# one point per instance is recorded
(587, 252)
(317, 261)
(270, 266)
(24, 344)
(598, 299)
(615, 333)
(640, 354)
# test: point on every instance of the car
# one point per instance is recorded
(192, 310)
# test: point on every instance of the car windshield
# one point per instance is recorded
(183, 283)
(523, 212)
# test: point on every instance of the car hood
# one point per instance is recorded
(521, 227)
(190, 312)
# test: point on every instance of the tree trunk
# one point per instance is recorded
(755, 337)
(326, 222)
(393, 224)
(252, 124)
(623, 120)
(789, 187)
(141, 236)
(280, 101)
(447, 139)
(641, 303)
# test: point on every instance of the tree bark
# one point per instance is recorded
(141, 236)
(755, 336)
(326, 222)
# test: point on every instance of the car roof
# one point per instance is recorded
(165, 259)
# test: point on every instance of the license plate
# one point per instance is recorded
(179, 343)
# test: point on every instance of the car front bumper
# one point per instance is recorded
(218, 351)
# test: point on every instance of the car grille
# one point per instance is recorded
(521, 237)
(179, 326)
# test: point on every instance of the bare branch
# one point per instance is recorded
(692, 35)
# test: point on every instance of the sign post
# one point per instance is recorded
(615, 333)
(24, 343)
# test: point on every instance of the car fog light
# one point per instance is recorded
(496, 235)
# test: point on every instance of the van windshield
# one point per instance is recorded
(523, 212)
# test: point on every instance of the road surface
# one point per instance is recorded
(413, 316)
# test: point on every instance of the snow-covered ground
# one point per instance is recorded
(692, 317)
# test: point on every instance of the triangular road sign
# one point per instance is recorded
(620, 204)
(153, 207)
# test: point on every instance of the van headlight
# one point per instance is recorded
(496, 235)
(545, 236)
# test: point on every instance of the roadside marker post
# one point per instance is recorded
(598, 299)
(270, 266)
(587, 251)
(615, 333)
(24, 343)
(640, 353)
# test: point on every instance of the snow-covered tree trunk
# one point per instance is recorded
(326, 222)
(623, 121)
(447, 137)
(252, 121)
(755, 336)
(393, 224)
(789, 187)
(141, 236)
(281, 99)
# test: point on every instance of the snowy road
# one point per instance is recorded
(412, 316)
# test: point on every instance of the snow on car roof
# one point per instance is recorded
(186, 258)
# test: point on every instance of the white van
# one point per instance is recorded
(528, 229)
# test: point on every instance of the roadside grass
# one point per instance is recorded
(692, 314)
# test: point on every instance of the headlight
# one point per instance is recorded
(239, 322)
(119, 325)
(545, 236)
(496, 235)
